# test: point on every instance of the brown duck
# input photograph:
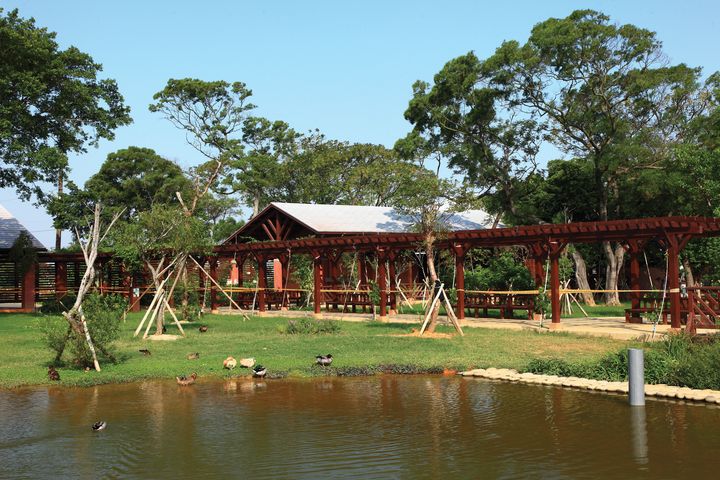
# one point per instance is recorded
(53, 374)
(203, 328)
(185, 381)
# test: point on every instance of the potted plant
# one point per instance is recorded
(541, 305)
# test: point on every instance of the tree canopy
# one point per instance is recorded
(51, 103)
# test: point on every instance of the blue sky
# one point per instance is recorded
(343, 67)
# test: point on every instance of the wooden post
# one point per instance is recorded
(213, 288)
(262, 283)
(317, 282)
(382, 283)
(392, 256)
(28, 289)
(635, 285)
(60, 279)
(284, 277)
(555, 288)
(460, 251)
(674, 282)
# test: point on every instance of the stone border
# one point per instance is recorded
(660, 390)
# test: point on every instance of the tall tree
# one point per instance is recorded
(131, 180)
(212, 114)
(606, 93)
(464, 119)
(51, 103)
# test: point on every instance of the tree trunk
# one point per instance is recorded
(689, 277)
(615, 259)
(581, 278)
(430, 258)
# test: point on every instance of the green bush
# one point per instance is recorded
(103, 314)
(503, 272)
(308, 326)
(677, 360)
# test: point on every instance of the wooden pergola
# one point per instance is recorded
(544, 242)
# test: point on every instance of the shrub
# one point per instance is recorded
(308, 326)
(103, 314)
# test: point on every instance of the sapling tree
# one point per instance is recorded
(89, 245)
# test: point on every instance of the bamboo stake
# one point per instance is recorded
(152, 318)
(451, 314)
(221, 289)
(177, 322)
(432, 307)
(150, 307)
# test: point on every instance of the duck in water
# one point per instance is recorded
(101, 425)
(53, 374)
(324, 360)
(259, 371)
(184, 381)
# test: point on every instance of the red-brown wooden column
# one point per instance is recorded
(213, 288)
(675, 244)
(555, 248)
(317, 282)
(60, 279)
(382, 282)
(460, 250)
(28, 289)
(634, 248)
(284, 276)
(262, 282)
(392, 257)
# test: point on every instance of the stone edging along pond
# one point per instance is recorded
(660, 390)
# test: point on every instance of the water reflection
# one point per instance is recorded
(386, 426)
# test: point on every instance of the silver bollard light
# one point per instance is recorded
(636, 377)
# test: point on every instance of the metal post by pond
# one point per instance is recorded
(636, 377)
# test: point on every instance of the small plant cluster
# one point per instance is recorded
(57, 305)
(103, 313)
(678, 360)
(308, 326)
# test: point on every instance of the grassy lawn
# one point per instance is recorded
(24, 358)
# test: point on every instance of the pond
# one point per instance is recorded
(370, 427)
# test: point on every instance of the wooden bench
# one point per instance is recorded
(650, 304)
(505, 303)
(335, 300)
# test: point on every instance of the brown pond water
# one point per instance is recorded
(375, 427)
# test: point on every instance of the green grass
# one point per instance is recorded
(598, 311)
(24, 358)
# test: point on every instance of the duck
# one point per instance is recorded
(53, 374)
(164, 330)
(193, 356)
(101, 425)
(203, 328)
(145, 351)
(247, 362)
(185, 381)
(324, 360)
(229, 363)
(259, 371)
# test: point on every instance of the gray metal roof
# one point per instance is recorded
(10, 229)
(341, 219)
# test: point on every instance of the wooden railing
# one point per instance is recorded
(703, 308)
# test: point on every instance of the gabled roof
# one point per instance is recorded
(282, 221)
(10, 229)
(331, 219)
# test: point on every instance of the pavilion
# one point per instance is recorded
(326, 231)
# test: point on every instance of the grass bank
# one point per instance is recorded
(359, 345)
